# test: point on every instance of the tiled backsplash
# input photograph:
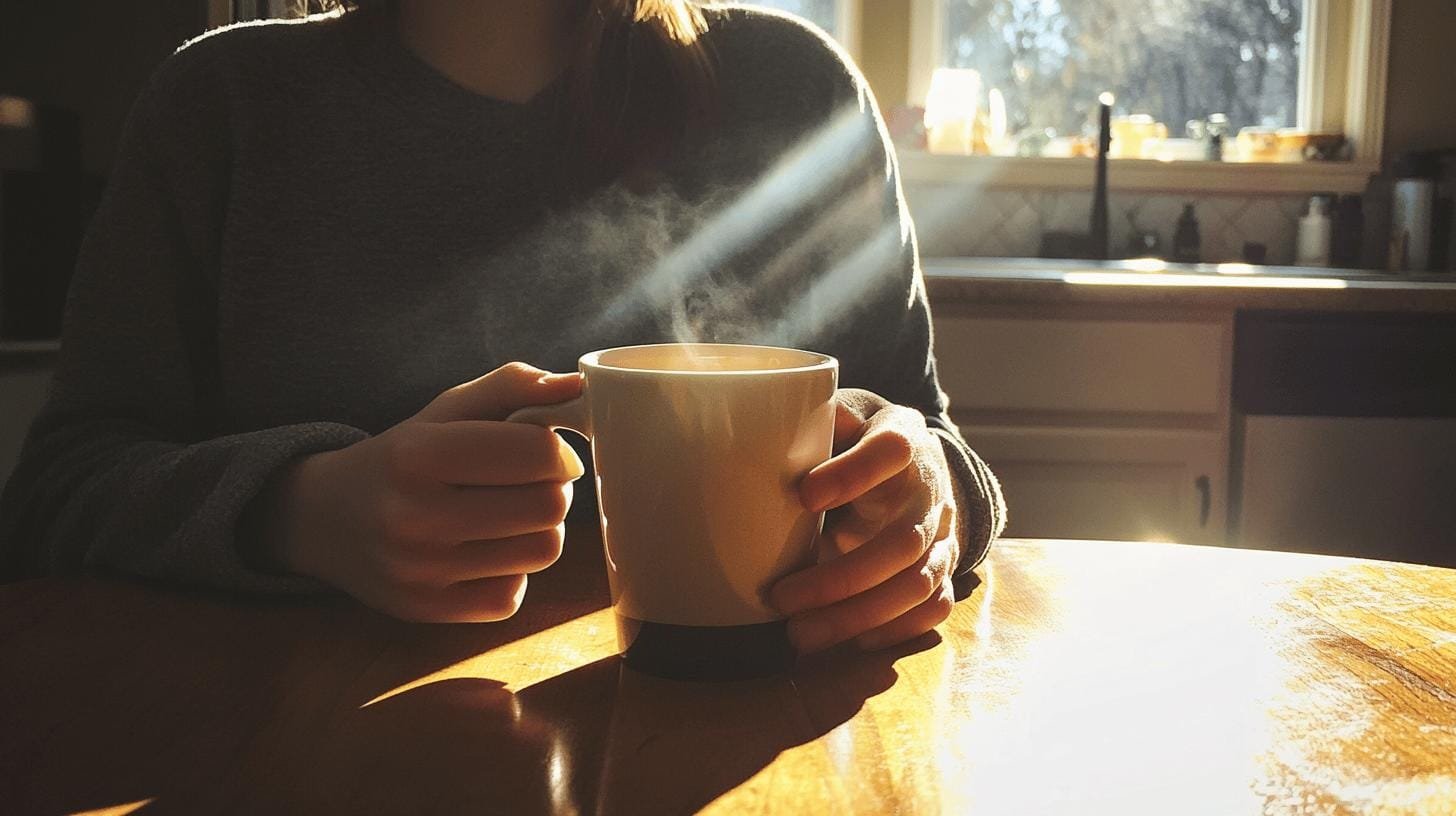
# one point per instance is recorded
(958, 221)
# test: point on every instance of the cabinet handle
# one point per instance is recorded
(1205, 499)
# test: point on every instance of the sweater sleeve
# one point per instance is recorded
(123, 471)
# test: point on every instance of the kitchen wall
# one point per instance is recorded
(1010, 223)
(92, 58)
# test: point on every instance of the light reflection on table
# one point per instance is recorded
(1079, 677)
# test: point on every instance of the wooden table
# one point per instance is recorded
(1080, 677)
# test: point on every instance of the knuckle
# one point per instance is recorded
(542, 450)
(922, 583)
(897, 444)
(503, 598)
(940, 607)
(553, 502)
(517, 371)
(403, 455)
(907, 418)
(910, 545)
(400, 569)
(544, 548)
(396, 517)
(454, 395)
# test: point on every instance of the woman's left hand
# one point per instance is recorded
(888, 555)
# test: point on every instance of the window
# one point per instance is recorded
(1281, 80)
(1168, 64)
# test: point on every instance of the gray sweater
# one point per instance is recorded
(309, 234)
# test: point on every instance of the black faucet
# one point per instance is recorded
(1095, 244)
(1098, 232)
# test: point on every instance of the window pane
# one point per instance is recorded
(1175, 60)
(823, 13)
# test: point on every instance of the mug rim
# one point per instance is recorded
(819, 361)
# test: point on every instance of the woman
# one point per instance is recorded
(315, 228)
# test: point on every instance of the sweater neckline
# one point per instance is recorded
(375, 44)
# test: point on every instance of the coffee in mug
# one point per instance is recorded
(698, 450)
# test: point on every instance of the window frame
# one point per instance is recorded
(847, 15)
(1341, 88)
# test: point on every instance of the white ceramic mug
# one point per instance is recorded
(698, 450)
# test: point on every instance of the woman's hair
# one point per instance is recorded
(639, 84)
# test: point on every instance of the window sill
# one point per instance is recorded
(999, 172)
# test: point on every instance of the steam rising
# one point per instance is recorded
(774, 261)
(675, 280)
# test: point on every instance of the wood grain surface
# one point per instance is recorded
(1080, 677)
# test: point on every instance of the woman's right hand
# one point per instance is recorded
(441, 517)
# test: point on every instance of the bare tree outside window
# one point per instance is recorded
(1176, 60)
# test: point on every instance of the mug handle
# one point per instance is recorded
(573, 415)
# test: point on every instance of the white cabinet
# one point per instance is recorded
(1078, 365)
(1098, 426)
(1119, 483)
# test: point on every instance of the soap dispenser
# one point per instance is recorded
(1186, 242)
(1314, 235)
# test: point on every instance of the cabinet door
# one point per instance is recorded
(1084, 369)
(1136, 484)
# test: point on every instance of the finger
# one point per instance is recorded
(877, 561)
(882, 452)
(478, 601)
(852, 526)
(469, 560)
(822, 628)
(451, 514)
(848, 533)
(848, 425)
(472, 452)
(929, 614)
(495, 395)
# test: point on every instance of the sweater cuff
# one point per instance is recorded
(982, 510)
(208, 547)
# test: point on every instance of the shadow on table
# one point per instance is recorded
(129, 694)
(601, 738)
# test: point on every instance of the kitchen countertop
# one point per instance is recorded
(1155, 283)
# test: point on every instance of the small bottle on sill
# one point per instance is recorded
(1186, 243)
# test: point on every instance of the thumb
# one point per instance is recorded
(497, 394)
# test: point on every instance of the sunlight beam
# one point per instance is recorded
(823, 161)
(117, 810)
(575, 643)
(835, 294)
